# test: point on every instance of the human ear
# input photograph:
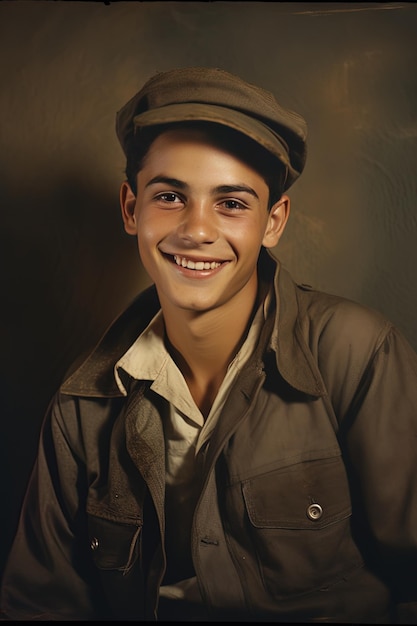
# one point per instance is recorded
(277, 220)
(127, 205)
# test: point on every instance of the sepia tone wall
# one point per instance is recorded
(68, 268)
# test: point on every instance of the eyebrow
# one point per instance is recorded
(179, 184)
(233, 188)
(172, 182)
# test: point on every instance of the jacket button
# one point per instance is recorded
(314, 512)
(94, 543)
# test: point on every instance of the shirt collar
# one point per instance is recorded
(95, 376)
(147, 357)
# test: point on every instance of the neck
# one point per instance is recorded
(204, 343)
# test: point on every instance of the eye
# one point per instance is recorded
(168, 197)
(232, 205)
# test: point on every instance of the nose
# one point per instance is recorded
(198, 225)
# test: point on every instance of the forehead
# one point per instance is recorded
(178, 136)
(210, 141)
(192, 161)
(196, 151)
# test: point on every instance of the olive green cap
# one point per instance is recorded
(215, 95)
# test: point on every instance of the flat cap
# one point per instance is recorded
(215, 95)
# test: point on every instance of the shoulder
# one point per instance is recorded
(334, 320)
(321, 317)
(337, 337)
(348, 342)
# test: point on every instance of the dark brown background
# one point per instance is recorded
(67, 267)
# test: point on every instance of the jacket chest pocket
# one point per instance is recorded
(113, 546)
(299, 520)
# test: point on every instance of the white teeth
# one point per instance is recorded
(192, 265)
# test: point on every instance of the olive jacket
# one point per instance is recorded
(308, 506)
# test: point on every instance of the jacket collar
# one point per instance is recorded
(95, 376)
(294, 358)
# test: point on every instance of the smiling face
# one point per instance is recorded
(200, 216)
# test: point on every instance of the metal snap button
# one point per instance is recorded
(94, 543)
(314, 511)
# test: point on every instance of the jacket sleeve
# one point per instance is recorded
(45, 576)
(379, 436)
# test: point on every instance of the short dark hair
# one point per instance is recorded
(246, 149)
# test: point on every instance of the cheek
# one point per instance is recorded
(247, 236)
(149, 228)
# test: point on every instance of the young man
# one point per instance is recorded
(237, 447)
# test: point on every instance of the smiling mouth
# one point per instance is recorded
(195, 265)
